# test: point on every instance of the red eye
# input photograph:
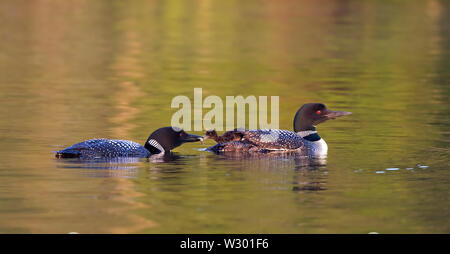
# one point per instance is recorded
(181, 134)
(319, 112)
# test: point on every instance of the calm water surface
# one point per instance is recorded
(75, 70)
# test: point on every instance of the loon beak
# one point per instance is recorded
(333, 114)
(192, 138)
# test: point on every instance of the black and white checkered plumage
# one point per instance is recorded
(160, 141)
(263, 140)
(104, 148)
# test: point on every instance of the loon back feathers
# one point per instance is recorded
(262, 141)
(274, 139)
(105, 148)
(160, 141)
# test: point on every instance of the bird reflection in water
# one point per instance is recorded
(309, 171)
(113, 167)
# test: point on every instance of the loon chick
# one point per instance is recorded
(159, 142)
(228, 136)
(304, 139)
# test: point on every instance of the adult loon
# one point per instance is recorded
(304, 139)
(159, 142)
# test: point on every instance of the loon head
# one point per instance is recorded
(312, 114)
(167, 138)
(211, 134)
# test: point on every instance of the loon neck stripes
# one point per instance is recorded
(309, 135)
(156, 145)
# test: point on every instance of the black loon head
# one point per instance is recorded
(312, 114)
(167, 138)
